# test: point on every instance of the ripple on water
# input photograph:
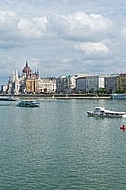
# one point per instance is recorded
(57, 146)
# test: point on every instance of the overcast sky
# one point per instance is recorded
(62, 37)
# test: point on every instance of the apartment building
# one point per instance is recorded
(111, 82)
(94, 83)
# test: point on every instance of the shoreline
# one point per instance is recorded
(58, 96)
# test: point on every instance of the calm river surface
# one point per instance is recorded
(58, 147)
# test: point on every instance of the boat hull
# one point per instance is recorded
(31, 106)
(7, 99)
(101, 112)
(118, 96)
(28, 103)
(112, 116)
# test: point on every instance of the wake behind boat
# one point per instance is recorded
(102, 112)
(28, 103)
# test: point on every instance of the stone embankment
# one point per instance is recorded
(62, 96)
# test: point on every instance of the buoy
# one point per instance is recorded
(123, 127)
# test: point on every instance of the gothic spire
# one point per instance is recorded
(26, 63)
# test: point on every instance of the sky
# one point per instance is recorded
(62, 37)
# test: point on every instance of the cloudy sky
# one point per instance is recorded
(62, 37)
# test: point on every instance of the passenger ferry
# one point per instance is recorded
(28, 103)
(102, 112)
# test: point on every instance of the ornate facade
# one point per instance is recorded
(26, 83)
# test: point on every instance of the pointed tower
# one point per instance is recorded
(17, 85)
(13, 76)
(16, 75)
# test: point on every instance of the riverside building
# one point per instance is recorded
(28, 83)
(21, 84)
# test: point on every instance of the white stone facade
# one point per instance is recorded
(47, 85)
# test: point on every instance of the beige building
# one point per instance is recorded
(31, 85)
(121, 83)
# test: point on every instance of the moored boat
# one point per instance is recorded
(28, 103)
(7, 99)
(118, 96)
(102, 112)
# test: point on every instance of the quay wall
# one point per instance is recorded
(60, 96)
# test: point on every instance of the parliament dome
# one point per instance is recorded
(26, 69)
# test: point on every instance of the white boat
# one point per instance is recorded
(7, 99)
(102, 112)
(118, 96)
(28, 103)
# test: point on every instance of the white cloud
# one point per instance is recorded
(8, 21)
(92, 21)
(92, 48)
(32, 28)
(79, 26)
(63, 36)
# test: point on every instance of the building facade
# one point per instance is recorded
(21, 84)
(111, 82)
(90, 84)
(121, 83)
(29, 82)
(95, 83)
(47, 85)
(66, 84)
(81, 84)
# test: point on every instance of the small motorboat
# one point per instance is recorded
(28, 103)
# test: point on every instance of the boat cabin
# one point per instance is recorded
(99, 110)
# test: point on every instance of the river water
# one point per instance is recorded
(58, 147)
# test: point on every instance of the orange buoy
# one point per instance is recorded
(123, 127)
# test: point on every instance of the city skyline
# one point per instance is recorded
(62, 37)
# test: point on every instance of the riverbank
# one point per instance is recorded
(60, 96)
